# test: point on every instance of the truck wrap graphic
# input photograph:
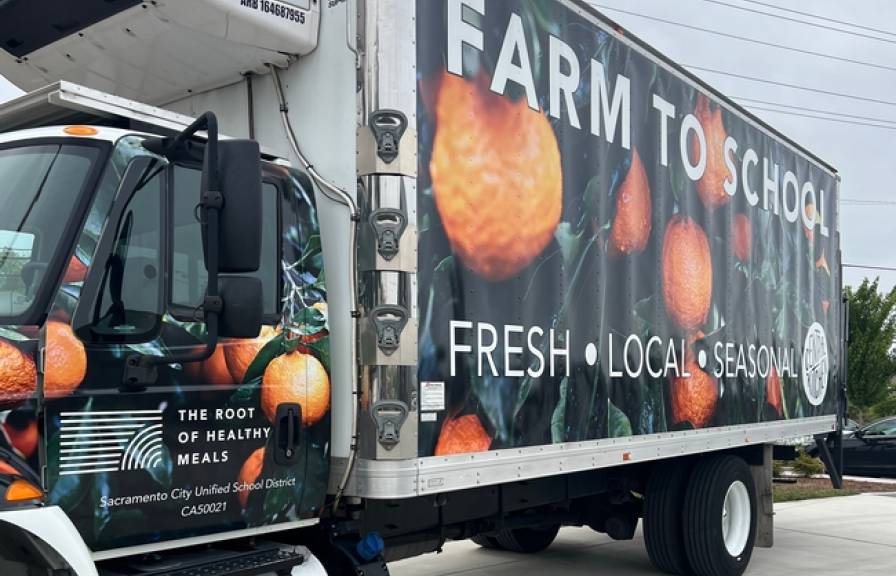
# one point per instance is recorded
(606, 249)
(193, 453)
(108, 441)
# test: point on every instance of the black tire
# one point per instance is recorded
(527, 540)
(702, 516)
(663, 503)
(489, 542)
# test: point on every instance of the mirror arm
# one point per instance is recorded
(141, 370)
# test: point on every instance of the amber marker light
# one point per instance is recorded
(22, 491)
(81, 130)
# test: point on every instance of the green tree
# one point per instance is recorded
(886, 408)
(872, 331)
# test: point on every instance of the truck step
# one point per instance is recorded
(262, 559)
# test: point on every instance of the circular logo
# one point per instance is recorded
(815, 364)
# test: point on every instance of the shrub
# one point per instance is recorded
(805, 465)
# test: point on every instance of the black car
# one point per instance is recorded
(869, 451)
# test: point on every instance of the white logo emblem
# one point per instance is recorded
(109, 441)
(815, 364)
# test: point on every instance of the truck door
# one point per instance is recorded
(42, 186)
(207, 448)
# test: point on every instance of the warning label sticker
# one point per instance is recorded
(432, 396)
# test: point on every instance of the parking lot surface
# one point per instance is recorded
(844, 535)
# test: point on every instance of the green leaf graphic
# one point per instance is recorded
(558, 419)
(619, 423)
(275, 347)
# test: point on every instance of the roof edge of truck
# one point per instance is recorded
(624, 35)
(65, 103)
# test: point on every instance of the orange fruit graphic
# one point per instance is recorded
(711, 186)
(18, 374)
(822, 263)
(694, 398)
(9, 469)
(773, 392)
(462, 435)
(212, 370)
(238, 354)
(742, 237)
(687, 272)
(810, 212)
(631, 226)
(76, 271)
(249, 473)
(23, 439)
(215, 371)
(296, 378)
(496, 177)
(695, 337)
(66, 361)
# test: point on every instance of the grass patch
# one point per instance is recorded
(809, 488)
(793, 492)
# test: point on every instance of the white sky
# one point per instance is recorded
(860, 153)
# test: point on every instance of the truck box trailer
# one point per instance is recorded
(294, 286)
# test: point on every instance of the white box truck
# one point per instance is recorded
(294, 286)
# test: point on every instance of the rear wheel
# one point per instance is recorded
(718, 517)
(662, 518)
(527, 540)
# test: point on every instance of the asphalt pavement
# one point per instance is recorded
(835, 536)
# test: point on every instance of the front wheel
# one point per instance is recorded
(719, 517)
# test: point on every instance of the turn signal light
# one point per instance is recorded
(22, 490)
(81, 131)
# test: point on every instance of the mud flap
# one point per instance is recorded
(765, 515)
(831, 454)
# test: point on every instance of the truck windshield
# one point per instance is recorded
(39, 187)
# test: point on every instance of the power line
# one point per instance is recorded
(751, 40)
(787, 85)
(857, 202)
(867, 267)
(820, 111)
(817, 117)
(824, 18)
(804, 22)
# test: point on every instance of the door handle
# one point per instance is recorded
(389, 415)
(287, 434)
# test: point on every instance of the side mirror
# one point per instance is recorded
(230, 207)
(241, 315)
(238, 167)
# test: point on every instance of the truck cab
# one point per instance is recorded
(107, 251)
